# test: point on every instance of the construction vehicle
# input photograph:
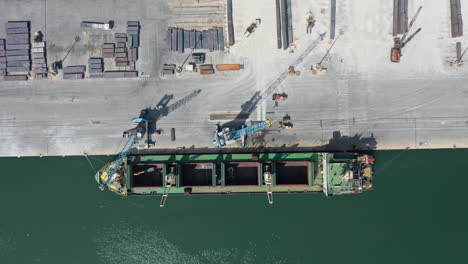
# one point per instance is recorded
(109, 175)
(310, 22)
(286, 123)
(252, 27)
(279, 97)
(38, 36)
(400, 43)
(58, 65)
(226, 136)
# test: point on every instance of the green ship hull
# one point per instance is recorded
(330, 173)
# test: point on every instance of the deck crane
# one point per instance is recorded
(226, 136)
(109, 174)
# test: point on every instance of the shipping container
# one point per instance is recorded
(2, 53)
(38, 55)
(95, 60)
(17, 52)
(135, 41)
(207, 71)
(37, 50)
(17, 24)
(121, 39)
(204, 44)
(133, 23)
(120, 35)
(2, 59)
(121, 64)
(95, 75)
(186, 39)
(120, 50)
(120, 74)
(19, 64)
(229, 67)
(15, 41)
(40, 60)
(39, 65)
(198, 40)
(19, 36)
(121, 45)
(192, 39)
(169, 39)
(96, 66)
(2, 72)
(18, 69)
(17, 58)
(206, 67)
(15, 78)
(122, 59)
(221, 38)
(133, 54)
(70, 76)
(2, 65)
(121, 55)
(108, 50)
(38, 44)
(108, 55)
(96, 70)
(22, 30)
(108, 46)
(17, 46)
(74, 69)
(180, 40)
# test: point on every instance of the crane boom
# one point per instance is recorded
(411, 24)
(225, 137)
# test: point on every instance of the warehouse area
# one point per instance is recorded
(328, 74)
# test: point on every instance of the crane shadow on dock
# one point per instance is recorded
(339, 142)
(246, 110)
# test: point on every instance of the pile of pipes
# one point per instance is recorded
(178, 39)
(95, 66)
(39, 60)
(74, 72)
(16, 51)
(284, 23)
(400, 17)
(456, 18)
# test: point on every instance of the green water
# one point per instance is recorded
(51, 211)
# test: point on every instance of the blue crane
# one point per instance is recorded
(134, 135)
(225, 136)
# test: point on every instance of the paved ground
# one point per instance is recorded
(344, 109)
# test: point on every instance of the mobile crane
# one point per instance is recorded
(226, 136)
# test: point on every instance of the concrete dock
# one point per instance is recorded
(392, 109)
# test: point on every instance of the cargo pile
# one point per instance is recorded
(39, 60)
(74, 72)
(95, 66)
(178, 39)
(15, 51)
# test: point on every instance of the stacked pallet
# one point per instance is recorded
(456, 18)
(39, 60)
(18, 49)
(95, 67)
(178, 39)
(400, 17)
(108, 50)
(74, 72)
(206, 69)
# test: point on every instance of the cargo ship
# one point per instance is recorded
(191, 174)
